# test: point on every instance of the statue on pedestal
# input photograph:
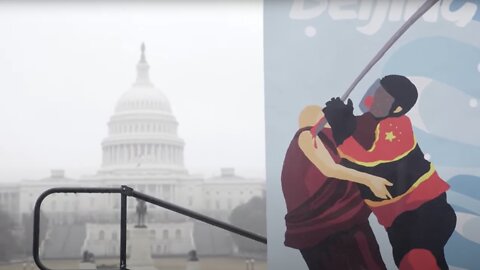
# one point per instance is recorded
(88, 257)
(141, 213)
(192, 256)
(88, 261)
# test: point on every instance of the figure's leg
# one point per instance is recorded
(418, 259)
(337, 252)
(368, 248)
(355, 249)
(423, 233)
(441, 220)
(440, 258)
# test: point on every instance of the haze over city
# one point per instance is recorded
(64, 66)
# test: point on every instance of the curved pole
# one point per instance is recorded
(419, 13)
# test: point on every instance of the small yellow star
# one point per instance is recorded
(389, 136)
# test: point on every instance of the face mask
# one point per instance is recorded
(368, 98)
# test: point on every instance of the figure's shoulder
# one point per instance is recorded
(401, 122)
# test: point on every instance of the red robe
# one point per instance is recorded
(327, 219)
(318, 207)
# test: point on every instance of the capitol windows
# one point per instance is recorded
(229, 203)
(190, 200)
(178, 234)
(165, 234)
(153, 234)
(75, 206)
(166, 190)
(114, 236)
(217, 204)
(101, 235)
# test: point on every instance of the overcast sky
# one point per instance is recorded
(64, 66)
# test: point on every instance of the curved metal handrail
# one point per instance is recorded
(125, 192)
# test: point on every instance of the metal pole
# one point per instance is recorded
(419, 13)
(123, 226)
(198, 216)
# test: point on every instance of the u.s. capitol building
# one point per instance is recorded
(142, 150)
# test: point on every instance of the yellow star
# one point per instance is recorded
(389, 136)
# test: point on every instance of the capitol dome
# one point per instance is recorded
(142, 135)
(140, 98)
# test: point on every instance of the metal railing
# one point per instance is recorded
(125, 192)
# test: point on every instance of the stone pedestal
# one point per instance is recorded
(87, 266)
(140, 253)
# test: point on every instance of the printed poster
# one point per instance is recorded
(393, 179)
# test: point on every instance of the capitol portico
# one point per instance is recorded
(143, 150)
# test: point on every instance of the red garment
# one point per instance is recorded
(318, 207)
(394, 139)
(428, 190)
(396, 156)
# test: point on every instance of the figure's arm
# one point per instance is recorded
(340, 117)
(321, 158)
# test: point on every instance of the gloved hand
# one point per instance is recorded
(341, 119)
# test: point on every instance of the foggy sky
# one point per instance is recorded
(64, 66)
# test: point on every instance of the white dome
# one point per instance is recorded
(143, 98)
(142, 133)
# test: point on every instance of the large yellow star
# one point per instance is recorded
(389, 136)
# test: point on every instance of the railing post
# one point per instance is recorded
(126, 191)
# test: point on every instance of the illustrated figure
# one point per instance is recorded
(327, 219)
(141, 213)
(418, 219)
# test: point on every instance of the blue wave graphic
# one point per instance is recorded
(458, 3)
(448, 152)
(443, 59)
